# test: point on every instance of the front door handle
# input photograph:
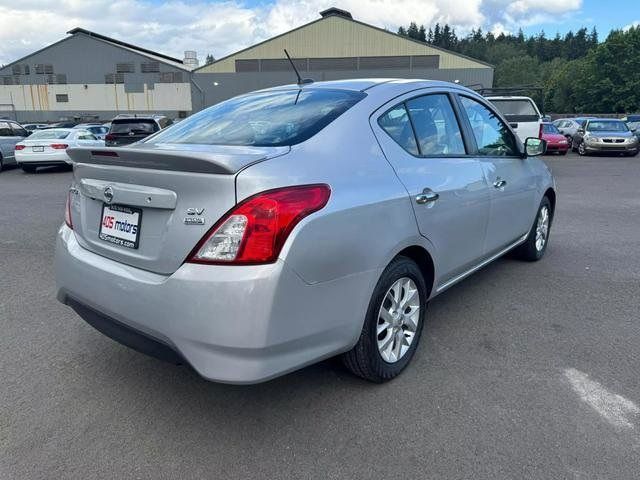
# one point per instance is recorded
(427, 196)
(499, 183)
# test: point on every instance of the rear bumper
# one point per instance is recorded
(557, 147)
(44, 159)
(232, 324)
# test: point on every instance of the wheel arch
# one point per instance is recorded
(550, 193)
(423, 259)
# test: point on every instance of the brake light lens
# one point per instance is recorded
(67, 212)
(19, 147)
(59, 146)
(109, 137)
(255, 230)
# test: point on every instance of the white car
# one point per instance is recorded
(522, 113)
(49, 147)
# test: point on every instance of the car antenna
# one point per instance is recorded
(293, 65)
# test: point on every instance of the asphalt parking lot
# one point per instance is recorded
(524, 370)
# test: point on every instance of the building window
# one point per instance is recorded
(125, 68)
(150, 67)
(61, 79)
(44, 69)
(171, 77)
(20, 69)
(114, 78)
(62, 98)
(7, 80)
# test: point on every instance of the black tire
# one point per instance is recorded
(28, 168)
(528, 250)
(365, 360)
(1, 163)
(564, 152)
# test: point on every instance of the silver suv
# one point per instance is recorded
(292, 224)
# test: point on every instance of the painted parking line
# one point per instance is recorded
(614, 408)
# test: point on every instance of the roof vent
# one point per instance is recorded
(335, 11)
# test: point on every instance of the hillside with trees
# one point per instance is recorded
(575, 71)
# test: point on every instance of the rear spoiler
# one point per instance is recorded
(212, 159)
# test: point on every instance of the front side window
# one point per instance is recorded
(18, 131)
(397, 124)
(435, 124)
(493, 138)
(267, 119)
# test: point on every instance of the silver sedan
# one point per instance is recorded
(293, 224)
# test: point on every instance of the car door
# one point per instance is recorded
(511, 177)
(7, 143)
(421, 137)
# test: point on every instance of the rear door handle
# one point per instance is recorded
(427, 196)
(499, 183)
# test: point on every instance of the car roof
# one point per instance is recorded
(508, 97)
(362, 84)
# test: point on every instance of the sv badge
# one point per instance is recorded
(194, 216)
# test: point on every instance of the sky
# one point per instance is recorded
(223, 27)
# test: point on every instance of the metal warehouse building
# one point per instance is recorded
(88, 76)
(333, 47)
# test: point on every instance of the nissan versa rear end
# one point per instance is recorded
(292, 224)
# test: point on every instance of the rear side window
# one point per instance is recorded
(515, 107)
(133, 126)
(5, 130)
(397, 124)
(274, 118)
(436, 127)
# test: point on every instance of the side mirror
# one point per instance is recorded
(534, 146)
(581, 130)
(513, 125)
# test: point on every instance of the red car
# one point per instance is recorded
(556, 142)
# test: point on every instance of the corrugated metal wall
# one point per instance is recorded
(336, 36)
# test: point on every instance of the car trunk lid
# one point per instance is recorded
(171, 196)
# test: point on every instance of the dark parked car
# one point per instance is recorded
(126, 130)
(605, 135)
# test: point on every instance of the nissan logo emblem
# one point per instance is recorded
(108, 194)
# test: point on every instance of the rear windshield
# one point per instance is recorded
(49, 134)
(606, 126)
(515, 107)
(549, 128)
(135, 126)
(265, 119)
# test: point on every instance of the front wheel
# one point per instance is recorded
(582, 150)
(535, 245)
(393, 323)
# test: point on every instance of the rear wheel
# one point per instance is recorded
(535, 245)
(563, 152)
(28, 168)
(393, 323)
(1, 164)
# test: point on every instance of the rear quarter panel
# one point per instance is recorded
(368, 218)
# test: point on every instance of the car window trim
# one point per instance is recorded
(498, 116)
(421, 93)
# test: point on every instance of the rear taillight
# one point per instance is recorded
(67, 212)
(19, 147)
(109, 137)
(59, 146)
(255, 230)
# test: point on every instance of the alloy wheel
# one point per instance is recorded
(398, 319)
(542, 228)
